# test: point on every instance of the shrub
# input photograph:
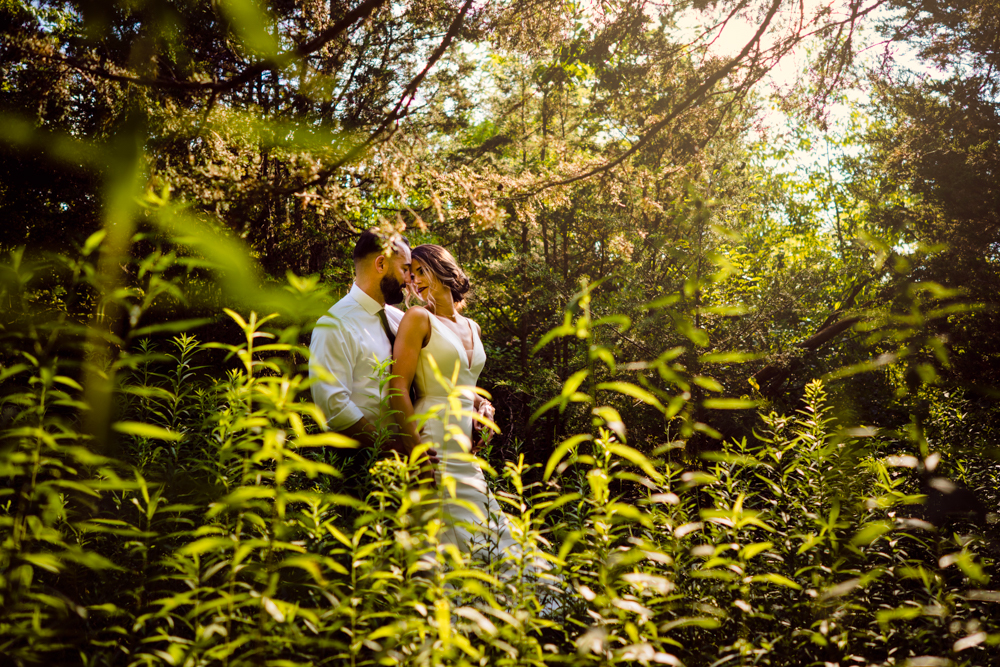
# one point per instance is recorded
(224, 531)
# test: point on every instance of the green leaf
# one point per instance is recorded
(76, 486)
(751, 550)
(605, 415)
(88, 559)
(623, 512)
(68, 381)
(565, 329)
(605, 355)
(885, 359)
(24, 133)
(545, 508)
(730, 458)
(635, 457)
(241, 496)
(327, 439)
(810, 542)
(705, 382)
(622, 321)
(730, 403)
(46, 561)
(143, 430)
(965, 562)
(706, 622)
(569, 394)
(148, 392)
(94, 240)
(776, 579)
(573, 382)
(871, 532)
(729, 357)
(695, 334)
(206, 545)
(564, 448)
(662, 302)
(907, 613)
(725, 311)
(634, 391)
(13, 370)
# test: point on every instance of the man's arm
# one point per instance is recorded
(362, 430)
(332, 358)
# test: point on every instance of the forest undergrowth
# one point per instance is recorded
(223, 526)
(741, 337)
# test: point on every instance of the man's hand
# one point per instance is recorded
(363, 431)
(480, 432)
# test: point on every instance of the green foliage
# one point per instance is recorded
(169, 496)
(221, 532)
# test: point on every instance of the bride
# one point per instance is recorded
(435, 347)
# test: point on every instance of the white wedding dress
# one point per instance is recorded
(471, 515)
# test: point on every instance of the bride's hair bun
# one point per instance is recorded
(443, 266)
(461, 288)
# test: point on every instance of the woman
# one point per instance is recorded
(435, 344)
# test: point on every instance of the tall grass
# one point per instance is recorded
(212, 521)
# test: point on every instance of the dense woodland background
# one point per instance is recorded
(677, 217)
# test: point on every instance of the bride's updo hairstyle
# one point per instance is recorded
(441, 267)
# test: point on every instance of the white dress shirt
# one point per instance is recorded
(348, 342)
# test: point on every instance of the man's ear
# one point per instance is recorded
(379, 264)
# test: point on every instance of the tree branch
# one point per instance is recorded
(702, 90)
(402, 106)
(687, 103)
(280, 61)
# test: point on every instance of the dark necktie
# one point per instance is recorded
(392, 342)
(385, 327)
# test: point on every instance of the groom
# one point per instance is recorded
(356, 335)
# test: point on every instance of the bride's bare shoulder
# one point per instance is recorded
(415, 314)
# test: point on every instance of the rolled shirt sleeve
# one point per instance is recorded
(333, 348)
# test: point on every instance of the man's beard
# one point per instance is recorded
(392, 290)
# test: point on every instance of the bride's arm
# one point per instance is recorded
(414, 330)
(479, 403)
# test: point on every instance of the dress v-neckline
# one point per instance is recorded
(469, 355)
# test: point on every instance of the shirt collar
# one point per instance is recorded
(370, 305)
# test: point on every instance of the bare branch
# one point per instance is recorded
(704, 90)
(402, 106)
(687, 103)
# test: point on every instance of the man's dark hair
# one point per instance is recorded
(370, 243)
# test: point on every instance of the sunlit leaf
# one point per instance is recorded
(730, 403)
(633, 391)
(870, 532)
(143, 430)
(776, 579)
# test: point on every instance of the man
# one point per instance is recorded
(354, 337)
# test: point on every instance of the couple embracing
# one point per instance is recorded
(427, 345)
